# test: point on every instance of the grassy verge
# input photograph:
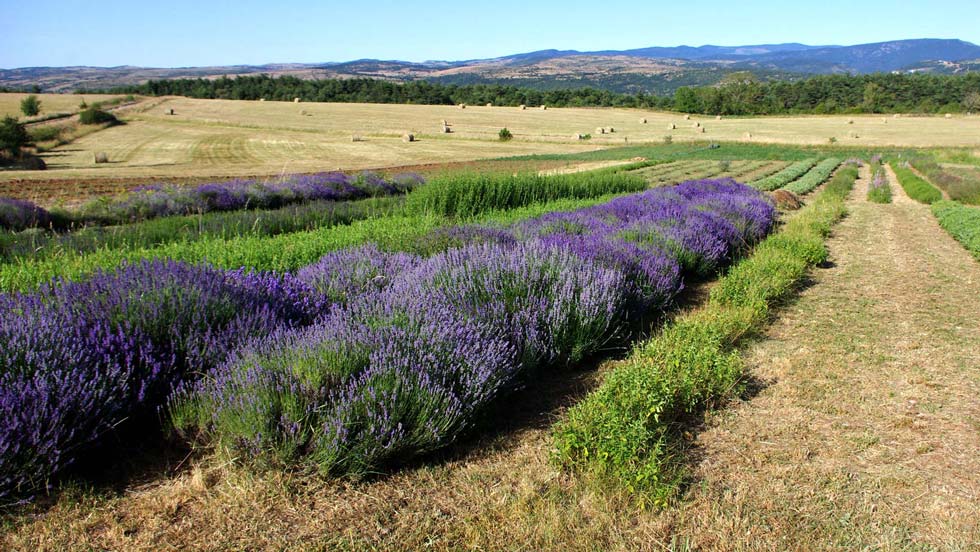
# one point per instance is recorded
(962, 222)
(916, 187)
(626, 431)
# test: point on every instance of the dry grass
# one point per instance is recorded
(50, 103)
(226, 137)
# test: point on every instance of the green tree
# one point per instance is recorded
(971, 102)
(30, 106)
(12, 136)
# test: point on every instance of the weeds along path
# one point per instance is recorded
(865, 432)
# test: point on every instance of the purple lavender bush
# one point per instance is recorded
(403, 370)
(361, 360)
(17, 214)
(160, 200)
(80, 358)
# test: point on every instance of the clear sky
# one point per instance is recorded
(178, 33)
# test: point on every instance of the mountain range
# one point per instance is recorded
(657, 70)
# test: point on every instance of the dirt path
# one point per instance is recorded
(866, 434)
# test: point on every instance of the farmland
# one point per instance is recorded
(208, 138)
(549, 343)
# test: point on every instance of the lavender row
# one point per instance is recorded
(161, 200)
(360, 359)
(416, 348)
(77, 359)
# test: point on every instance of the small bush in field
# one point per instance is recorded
(96, 116)
(505, 135)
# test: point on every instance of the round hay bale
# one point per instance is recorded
(700, 129)
(261, 99)
(696, 124)
(544, 108)
(949, 115)
(687, 117)
(896, 116)
(577, 136)
(787, 200)
(600, 130)
(671, 126)
(611, 130)
(643, 121)
(884, 120)
(408, 137)
(748, 135)
(295, 100)
(489, 104)
(462, 106)
(446, 129)
(523, 107)
(717, 117)
(101, 157)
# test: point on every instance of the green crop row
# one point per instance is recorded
(916, 187)
(283, 252)
(626, 430)
(465, 195)
(962, 222)
(155, 232)
(814, 177)
(785, 176)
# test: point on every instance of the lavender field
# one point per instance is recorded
(360, 361)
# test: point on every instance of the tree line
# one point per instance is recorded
(876, 93)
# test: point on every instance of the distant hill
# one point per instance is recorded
(657, 70)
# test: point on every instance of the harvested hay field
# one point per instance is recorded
(50, 103)
(230, 138)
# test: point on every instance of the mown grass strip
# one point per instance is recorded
(785, 176)
(625, 432)
(916, 187)
(814, 177)
(962, 222)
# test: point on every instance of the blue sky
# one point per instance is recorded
(184, 33)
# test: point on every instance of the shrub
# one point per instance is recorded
(30, 106)
(17, 214)
(504, 135)
(81, 358)
(96, 116)
(12, 136)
